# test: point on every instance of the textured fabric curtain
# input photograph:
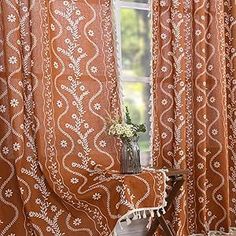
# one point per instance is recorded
(194, 97)
(58, 83)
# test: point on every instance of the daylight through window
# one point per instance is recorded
(134, 40)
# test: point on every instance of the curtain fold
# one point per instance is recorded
(194, 109)
(59, 169)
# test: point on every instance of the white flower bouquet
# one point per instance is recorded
(126, 130)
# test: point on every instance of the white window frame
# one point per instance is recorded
(119, 4)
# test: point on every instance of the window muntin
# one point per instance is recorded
(134, 39)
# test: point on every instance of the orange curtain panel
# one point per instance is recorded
(194, 109)
(59, 169)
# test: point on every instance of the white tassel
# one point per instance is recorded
(139, 215)
(163, 211)
(128, 220)
(135, 216)
(158, 214)
(149, 223)
(152, 213)
(144, 214)
(120, 225)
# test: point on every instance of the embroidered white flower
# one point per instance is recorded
(5, 150)
(164, 102)
(180, 15)
(219, 197)
(21, 190)
(29, 158)
(163, 135)
(118, 188)
(214, 131)
(63, 143)
(12, 60)
(97, 106)
(2, 108)
(169, 153)
(59, 103)
(200, 166)
(199, 65)
(163, 68)
(181, 118)
(80, 50)
(210, 67)
(93, 163)
(163, 36)
(37, 201)
(209, 35)
(1, 68)
(78, 13)
(199, 132)
(74, 180)
(82, 88)
(162, 3)
(53, 208)
(55, 64)
(8, 193)
(102, 143)
(80, 154)
(66, 3)
(198, 32)
(216, 164)
(11, 18)
(86, 125)
(205, 117)
(14, 102)
(209, 213)
(27, 48)
(91, 33)
(199, 98)
(24, 9)
(181, 152)
(212, 99)
(16, 146)
(96, 196)
(77, 221)
(67, 40)
(94, 69)
(53, 27)
(201, 199)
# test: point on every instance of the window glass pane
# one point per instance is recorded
(135, 36)
(136, 97)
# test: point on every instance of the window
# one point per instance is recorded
(133, 26)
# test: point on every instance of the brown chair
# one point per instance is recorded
(177, 179)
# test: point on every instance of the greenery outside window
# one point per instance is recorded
(133, 26)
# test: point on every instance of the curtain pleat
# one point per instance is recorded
(195, 109)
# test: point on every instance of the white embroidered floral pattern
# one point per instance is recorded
(8, 193)
(14, 102)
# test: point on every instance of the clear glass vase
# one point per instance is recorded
(130, 159)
